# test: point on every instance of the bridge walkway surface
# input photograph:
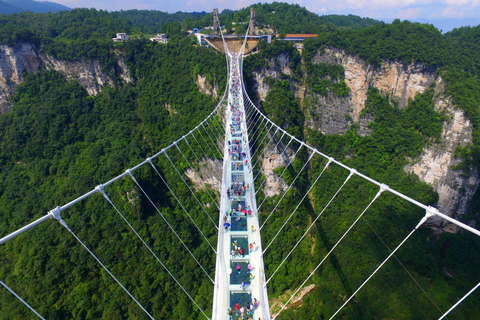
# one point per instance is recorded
(240, 275)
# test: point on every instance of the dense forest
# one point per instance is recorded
(57, 142)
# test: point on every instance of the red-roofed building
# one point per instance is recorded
(296, 37)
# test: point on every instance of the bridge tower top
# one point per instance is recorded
(252, 22)
(216, 24)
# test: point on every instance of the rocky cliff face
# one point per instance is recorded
(334, 115)
(436, 163)
(209, 172)
(400, 81)
(23, 58)
(205, 87)
(14, 62)
(87, 73)
(277, 66)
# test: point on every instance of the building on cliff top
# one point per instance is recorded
(160, 37)
(121, 37)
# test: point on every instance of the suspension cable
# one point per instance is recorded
(23, 301)
(193, 193)
(261, 142)
(100, 188)
(198, 160)
(252, 144)
(263, 152)
(208, 145)
(311, 225)
(216, 147)
(193, 221)
(256, 130)
(281, 175)
(63, 223)
(298, 174)
(278, 179)
(460, 301)
(203, 182)
(213, 142)
(331, 250)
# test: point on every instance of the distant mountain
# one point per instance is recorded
(445, 25)
(16, 6)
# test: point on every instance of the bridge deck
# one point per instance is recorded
(238, 207)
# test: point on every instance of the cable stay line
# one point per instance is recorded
(203, 182)
(311, 225)
(253, 124)
(256, 130)
(156, 208)
(286, 167)
(193, 221)
(63, 223)
(208, 145)
(460, 301)
(21, 300)
(215, 144)
(258, 136)
(261, 142)
(100, 189)
(279, 201)
(198, 160)
(333, 248)
(278, 179)
(263, 152)
(188, 186)
(427, 215)
(212, 123)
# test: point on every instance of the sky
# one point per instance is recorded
(377, 9)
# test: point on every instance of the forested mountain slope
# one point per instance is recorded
(377, 98)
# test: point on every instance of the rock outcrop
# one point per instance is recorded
(275, 156)
(23, 58)
(88, 73)
(402, 81)
(209, 172)
(436, 163)
(277, 66)
(14, 62)
(205, 87)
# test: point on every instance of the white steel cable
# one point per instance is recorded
(460, 301)
(193, 193)
(281, 175)
(263, 152)
(219, 152)
(203, 182)
(151, 251)
(283, 195)
(213, 142)
(100, 189)
(207, 144)
(258, 136)
(343, 236)
(198, 160)
(193, 221)
(278, 179)
(311, 225)
(63, 223)
(258, 127)
(261, 142)
(311, 187)
(374, 272)
(23, 301)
